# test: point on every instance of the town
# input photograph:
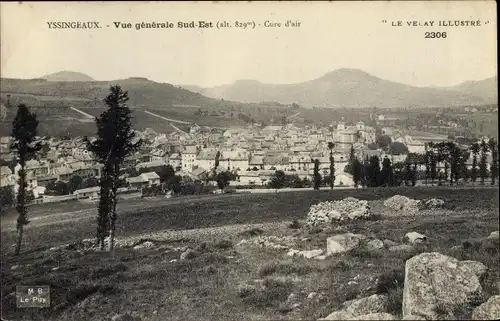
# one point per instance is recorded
(247, 159)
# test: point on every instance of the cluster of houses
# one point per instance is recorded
(252, 153)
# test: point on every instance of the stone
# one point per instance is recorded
(414, 237)
(14, 267)
(143, 245)
(374, 316)
(352, 283)
(433, 278)
(389, 243)
(490, 310)
(311, 253)
(343, 243)
(55, 268)
(494, 235)
(375, 244)
(313, 295)
(125, 317)
(320, 257)
(477, 267)
(362, 309)
(434, 203)
(401, 247)
(189, 253)
(372, 304)
(173, 261)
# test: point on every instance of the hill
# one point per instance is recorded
(486, 89)
(67, 76)
(347, 88)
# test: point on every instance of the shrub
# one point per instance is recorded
(390, 280)
(252, 232)
(223, 244)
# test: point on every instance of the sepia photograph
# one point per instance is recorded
(274, 160)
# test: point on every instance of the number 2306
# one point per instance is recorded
(435, 35)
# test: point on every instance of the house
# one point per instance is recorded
(89, 192)
(343, 179)
(206, 158)
(6, 177)
(188, 157)
(234, 159)
(200, 173)
(175, 161)
(152, 178)
(256, 161)
(137, 182)
(249, 178)
(150, 165)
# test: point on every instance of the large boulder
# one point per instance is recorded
(414, 237)
(433, 279)
(434, 203)
(336, 211)
(343, 243)
(373, 307)
(405, 204)
(490, 310)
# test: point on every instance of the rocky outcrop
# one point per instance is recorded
(434, 279)
(308, 254)
(373, 307)
(490, 310)
(405, 204)
(328, 212)
(343, 243)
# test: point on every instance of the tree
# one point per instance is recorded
(90, 182)
(115, 141)
(357, 169)
(24, 128)
(493, 147)
(397, 148)
(165, 173)
(278, 179)
(373, 171)
(475, 152)
(427, 160)
(216, 163)
(483, 165)
(6, 198)
(386, 174)
(75, 182)
(332, 165)
(223, 179)
(316, 174)
(383, 141)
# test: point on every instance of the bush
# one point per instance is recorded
(391, 280)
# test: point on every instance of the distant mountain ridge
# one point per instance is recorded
(67, 76)
(355, 88)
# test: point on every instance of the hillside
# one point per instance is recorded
(67, 76)
(486, 89)
(346, 88)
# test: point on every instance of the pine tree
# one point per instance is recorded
(493, 146)
(317, 175)
(357, 175)
(24, 129)
(332, 165)
(483, 165)
(114, 142)
(386, 174)
(374, 171)
(475, 152)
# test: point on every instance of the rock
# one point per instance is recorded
(321, 257)
(403, 204)
(352, 283)
(311, 253)
(347, 209)
(431, 278)
(143, 245)
(389, 243)
(414, 237)
(295, 305)
(55, 268)
(413, 317)
(372, 304)
(173, 261)
(314, 295)
(478, 268)
(375, 316)
(125, 317)
(293, 252)
(494, 235)
(343, 243)
(434, 203)
(188, 254)
(402, 248)
(375, 244)
(354, 309)
(14, 267)
(490, 310)
(292, 297)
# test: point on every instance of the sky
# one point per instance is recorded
(331, 36)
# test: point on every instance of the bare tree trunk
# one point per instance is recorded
(19, 239)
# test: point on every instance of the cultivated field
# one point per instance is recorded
(217, 280)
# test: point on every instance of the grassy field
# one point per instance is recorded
(214, 283)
